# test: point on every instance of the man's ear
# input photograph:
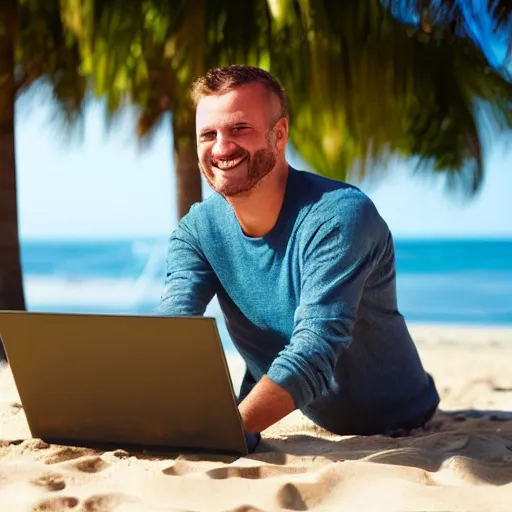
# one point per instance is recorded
(281, 131)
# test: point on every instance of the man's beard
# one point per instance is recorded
(259, 164)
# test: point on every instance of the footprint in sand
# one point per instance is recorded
(51, 481)
(121, 454)
(179, 468)
(60, 504)
(16, 442)
(91, 464)
(309, 495)
(97, 503)
(21, 446)
(253, 473)
(67, 453)
(473, 471)
(104, 502)
(35, 444)
(289, 497)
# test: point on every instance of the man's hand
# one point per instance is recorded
(265, 405)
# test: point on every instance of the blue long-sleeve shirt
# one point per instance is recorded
(312, 304)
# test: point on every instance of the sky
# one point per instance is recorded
(104, 186)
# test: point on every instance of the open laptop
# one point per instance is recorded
(122, 380)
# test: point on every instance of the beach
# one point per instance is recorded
(462, 461)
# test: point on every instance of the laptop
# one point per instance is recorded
(146, 381)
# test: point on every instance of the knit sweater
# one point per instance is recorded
(312, 304)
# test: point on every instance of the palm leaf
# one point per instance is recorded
(368, 81)
(47, 52)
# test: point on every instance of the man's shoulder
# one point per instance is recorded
(343, 214)
(336, 200)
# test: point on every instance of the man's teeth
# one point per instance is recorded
(229, 164)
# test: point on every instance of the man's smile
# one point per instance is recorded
(227, 165)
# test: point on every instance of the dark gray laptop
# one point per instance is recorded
(149, 381)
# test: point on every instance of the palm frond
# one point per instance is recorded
(378, 90)
(47, 51)
(368, 81)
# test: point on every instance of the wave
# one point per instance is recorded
(125, 292)
(108, 294)
(483, 302)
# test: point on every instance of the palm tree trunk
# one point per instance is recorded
(188, 176)
(11, 284)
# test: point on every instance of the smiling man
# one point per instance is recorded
(303, 268)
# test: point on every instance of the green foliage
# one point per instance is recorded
(47, 50)
(366, 83)
(378, 89)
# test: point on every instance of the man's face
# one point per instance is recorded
(236, 139)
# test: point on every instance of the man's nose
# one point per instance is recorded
(223, 147)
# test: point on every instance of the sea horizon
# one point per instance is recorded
(439, 281)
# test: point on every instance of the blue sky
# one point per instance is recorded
(105, 187)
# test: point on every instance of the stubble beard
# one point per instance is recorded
(259, 164)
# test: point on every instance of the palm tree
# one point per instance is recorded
(35, 47)
(11, 287)
(372, 84)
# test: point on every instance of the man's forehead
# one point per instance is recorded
(221, 113)
(250, 101)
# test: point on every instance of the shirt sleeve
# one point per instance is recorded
(190, 282)
(338, 258)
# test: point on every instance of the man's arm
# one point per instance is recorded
(266, 404)
(337, 261)
(190, 282)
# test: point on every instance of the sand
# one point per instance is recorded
(462, 461)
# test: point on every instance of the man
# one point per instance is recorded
(303, 268)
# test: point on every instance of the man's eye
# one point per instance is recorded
(240, 128)
(208, 136)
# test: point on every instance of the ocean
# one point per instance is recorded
(438, 281)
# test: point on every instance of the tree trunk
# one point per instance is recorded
(188, 176)
(11, 284)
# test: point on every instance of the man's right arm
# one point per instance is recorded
(190, 282)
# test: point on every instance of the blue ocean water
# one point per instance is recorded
(439, 281)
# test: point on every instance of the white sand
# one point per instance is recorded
(461, 463)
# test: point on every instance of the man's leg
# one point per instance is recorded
(407, 428)
(340, 414)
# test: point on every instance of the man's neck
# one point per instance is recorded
(258, 211)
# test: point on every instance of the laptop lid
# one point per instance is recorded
(123, 380)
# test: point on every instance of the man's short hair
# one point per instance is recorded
(220, 80)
